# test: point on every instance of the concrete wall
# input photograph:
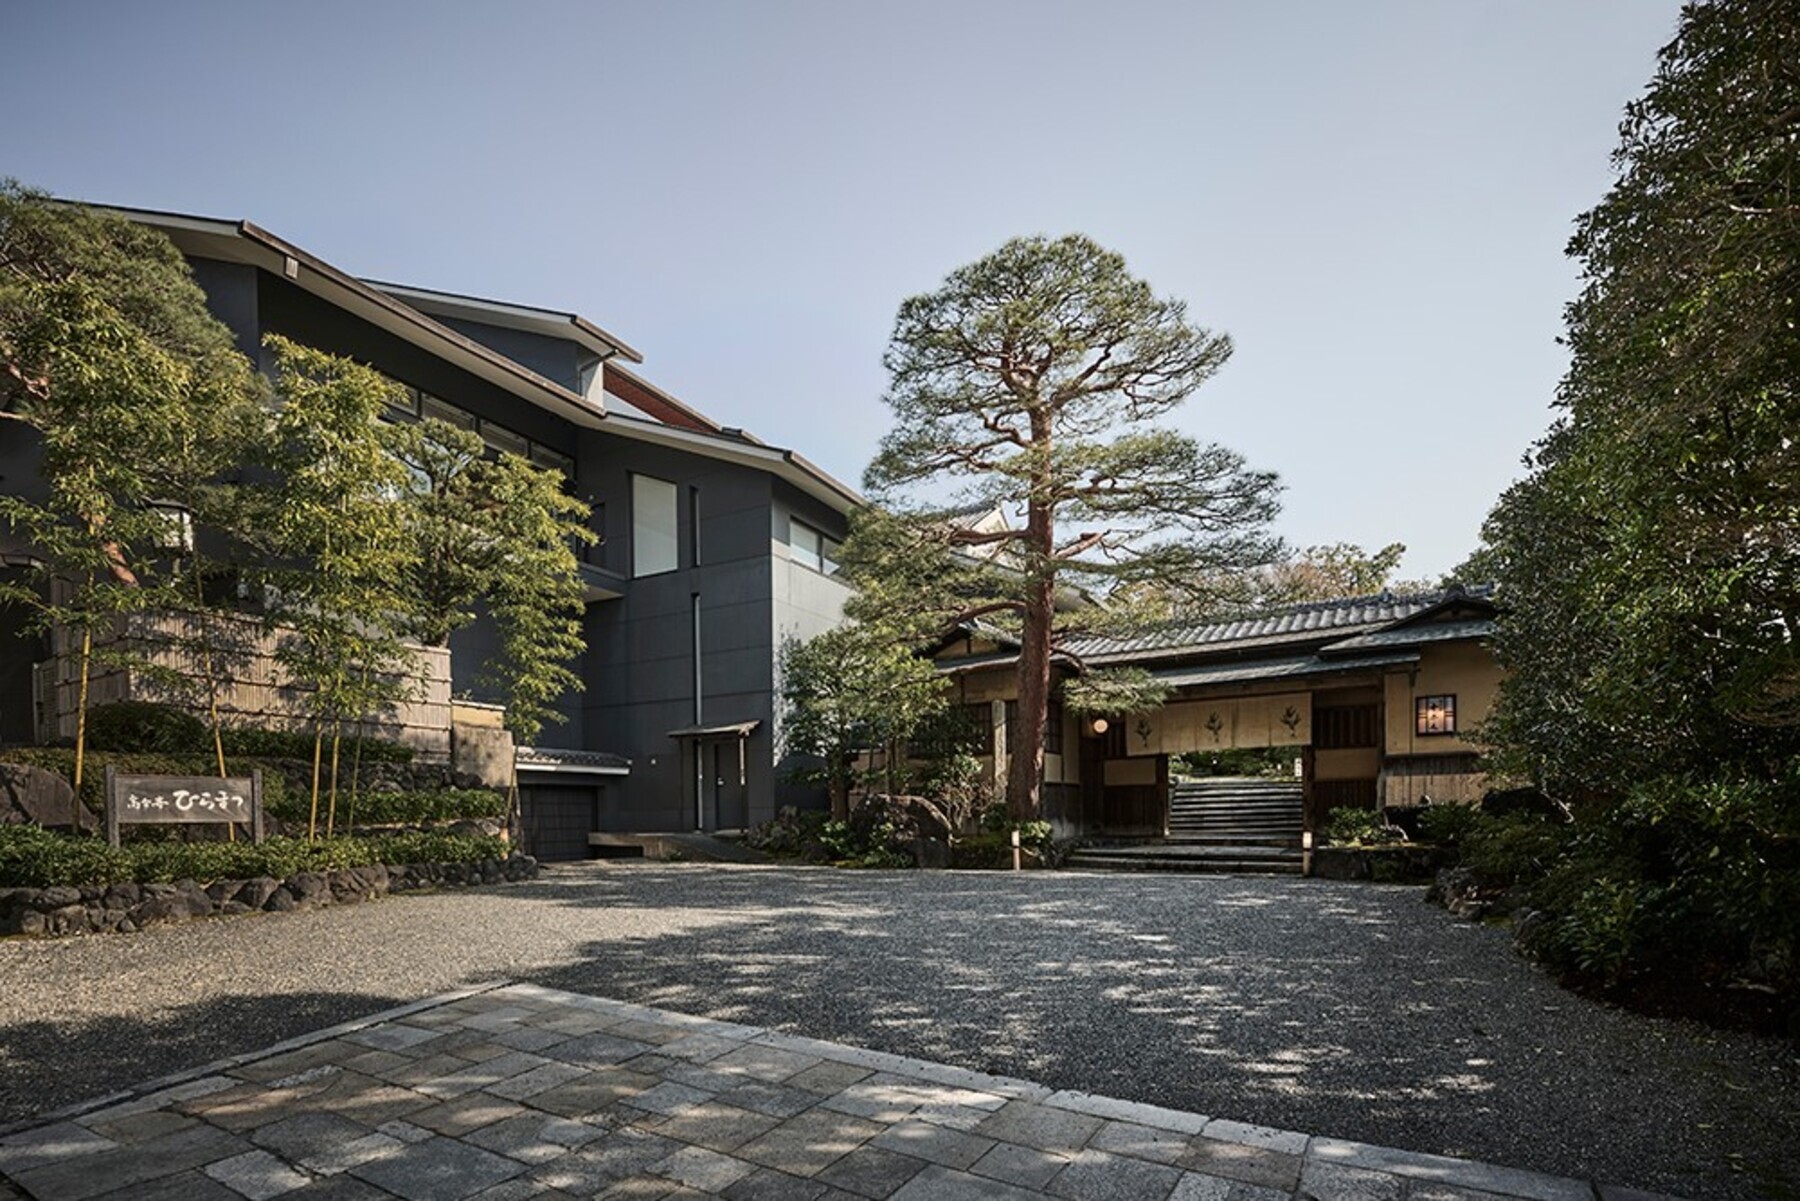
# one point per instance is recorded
(640, 670)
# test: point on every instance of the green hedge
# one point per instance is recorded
(34, 858)
(401, 808)
(61, 760)
(145, 727)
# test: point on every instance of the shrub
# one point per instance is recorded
(35, 858)
(1516, 849)
(61, 760)
(298, 744)
(1359, 827)
(855, 844)
(1448, 824)
(1681, 880)
(403, 808)
(791, 832)
(145, 726)
(1033, 834)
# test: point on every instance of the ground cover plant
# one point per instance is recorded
(31, 857)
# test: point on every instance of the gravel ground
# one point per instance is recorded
(1348, 1010)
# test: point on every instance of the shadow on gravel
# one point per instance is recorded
(49, 1063)
(1342, 1009)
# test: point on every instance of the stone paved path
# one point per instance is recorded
(517, 1091)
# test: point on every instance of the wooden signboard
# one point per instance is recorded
(182, 800)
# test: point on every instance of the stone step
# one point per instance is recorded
(1222, 864)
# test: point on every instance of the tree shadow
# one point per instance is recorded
(49, 1063)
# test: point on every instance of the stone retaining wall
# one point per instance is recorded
(123, 908)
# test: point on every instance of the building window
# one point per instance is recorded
(809, 548)
(1436, 714)
(1337, 727)
(653, 526)
(694, 526)
(1053, 729)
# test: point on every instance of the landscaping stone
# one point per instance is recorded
(126, 907)
(34, 796)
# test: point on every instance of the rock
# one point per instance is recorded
(30, 921)
(309, 886)
(123, 895)
(223, 890)
(233, 908)
(372, 877)
(191, 900)
(58, 898)
(34, 795)
(256, 893)
(346, 888)
(70, 919)
(281, 901)
(931, 852)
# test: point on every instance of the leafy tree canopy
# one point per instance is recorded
(1650, 561)
(1031, 382)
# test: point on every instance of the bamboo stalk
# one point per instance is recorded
(312, 824)
(337, 734)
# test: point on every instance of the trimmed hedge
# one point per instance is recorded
(31, 857)
(61, 760)
(146, 727)
(402, 808)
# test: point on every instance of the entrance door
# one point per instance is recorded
(719, 785)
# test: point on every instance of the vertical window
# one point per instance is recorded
(809, 548)
(653, 526)
(694, 526)
(1436, 714)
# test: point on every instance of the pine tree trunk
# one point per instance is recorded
(1025, 767)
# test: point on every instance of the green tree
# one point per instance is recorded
(852, 689)
(534, 591)
(447, 513)
(139, 398)
(336, 551)
(1031, 381)
(1649, 560)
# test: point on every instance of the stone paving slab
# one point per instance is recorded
(507, 1092)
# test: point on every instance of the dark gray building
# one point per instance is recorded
(715, 547)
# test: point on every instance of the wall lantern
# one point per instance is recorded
(1099, 725)
(175, 526)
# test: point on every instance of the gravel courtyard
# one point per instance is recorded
(1345, 1010)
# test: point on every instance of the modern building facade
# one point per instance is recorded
(714, 547)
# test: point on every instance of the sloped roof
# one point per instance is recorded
(1314, 622)
(1241, 671)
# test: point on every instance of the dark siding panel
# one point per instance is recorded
(558, 819)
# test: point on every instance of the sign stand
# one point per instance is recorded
(182, 800)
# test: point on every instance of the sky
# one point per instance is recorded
(1371, 198)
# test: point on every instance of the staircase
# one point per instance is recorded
(1237, 811)
(1225, 824)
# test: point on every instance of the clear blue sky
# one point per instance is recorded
(1372, 198)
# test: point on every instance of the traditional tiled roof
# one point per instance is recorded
(1313, 622)
(1245, 671)
(562, 759)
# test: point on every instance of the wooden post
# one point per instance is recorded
(256, 806)
(110, 802)
(1017, 865)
